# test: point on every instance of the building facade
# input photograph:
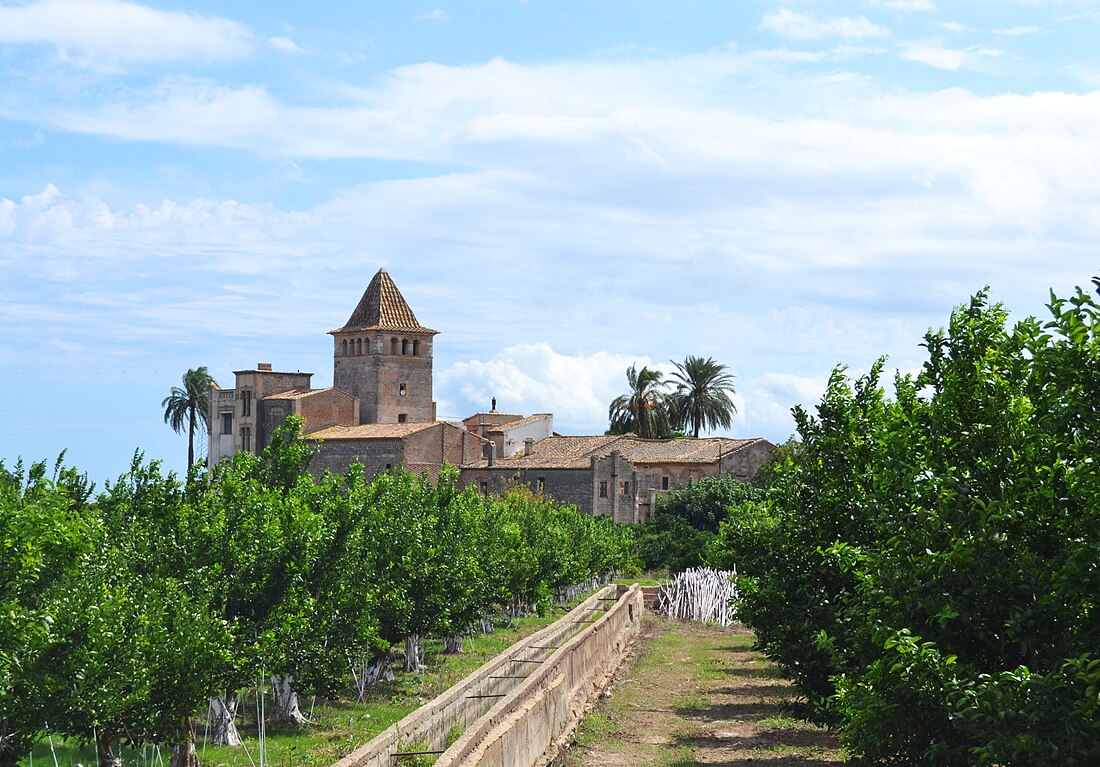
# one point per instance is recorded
(380, 414)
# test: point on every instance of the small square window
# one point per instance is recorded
(540, 483)
(603, 489)
(624, 488)
(402, 417)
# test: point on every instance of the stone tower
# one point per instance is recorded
(383, 356)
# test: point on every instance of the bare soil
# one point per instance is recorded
(698, 695)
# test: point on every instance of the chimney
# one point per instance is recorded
(265, 366)
(528, 445)
(488, 450)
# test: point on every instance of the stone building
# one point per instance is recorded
(618, 475)
(380, 413)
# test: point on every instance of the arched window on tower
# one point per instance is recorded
(416, 347)
(393, 346)
(344, 348)
(359, 346)
(404, 346)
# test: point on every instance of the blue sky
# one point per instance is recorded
(561, 188)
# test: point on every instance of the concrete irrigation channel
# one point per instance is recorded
(523, 703)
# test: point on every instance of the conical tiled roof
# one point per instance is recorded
(382, 307)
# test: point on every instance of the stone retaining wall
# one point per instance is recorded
(542, 713)
(505, 682)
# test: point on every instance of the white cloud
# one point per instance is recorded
(436, 16)
(284, 45)
(1017, 31)
(906, 5)
(107, 34)
(800, 26)
(532, 377)
(934, 54)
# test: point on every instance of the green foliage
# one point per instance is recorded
(925, 564)
(187, 407)
(686, 522)
(119, 618)
(702, 399)
(646, 410)
(44, 540)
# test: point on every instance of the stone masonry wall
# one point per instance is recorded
(375, 455)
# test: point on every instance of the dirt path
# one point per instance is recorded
(697, 695)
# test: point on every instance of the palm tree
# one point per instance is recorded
(189, 405)
(645, 410)
(702, 399)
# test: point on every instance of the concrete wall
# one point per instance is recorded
(491, 694)
(538, 430)
(544, 711)
(222, 444)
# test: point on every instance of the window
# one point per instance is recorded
(624, 488)
(664, 482)
(401, 390)
(389, 466)
(393, 346)
(402, 417)
(540, 484)
(246, 402)
(344, 348)
(416, 348)
(603, 488)
(227, 423)
(246, 439)
(484, 487)
(405, 346)
(359, 347)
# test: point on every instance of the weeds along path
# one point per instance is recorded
(697, 695)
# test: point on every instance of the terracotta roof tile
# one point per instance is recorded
(299, 393)
(503, 427)
(576, 452)
(382, 307)
(371, 431)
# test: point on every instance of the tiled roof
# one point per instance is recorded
(382, 307)
(561, 453)
(681, 450)
(371, 431)
(298, 393)
(503, 427)
(576, 452)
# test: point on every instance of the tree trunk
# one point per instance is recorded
(375, 670)
(223, 716)
(104, 741)
(414, 653)
(453, 644)
(185, 754)
(286, 702)
(191, 440)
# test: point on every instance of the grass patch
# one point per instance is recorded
(785, 723)
(597, 727)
